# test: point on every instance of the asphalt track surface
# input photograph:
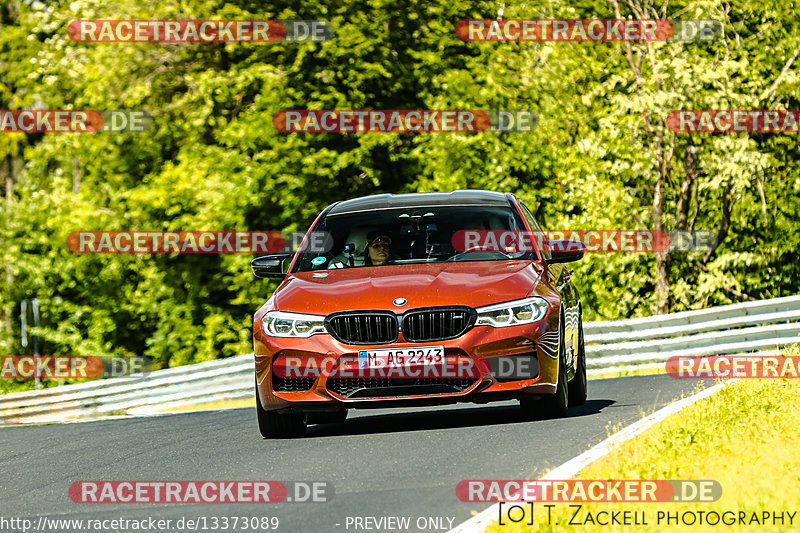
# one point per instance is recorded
(386, 462)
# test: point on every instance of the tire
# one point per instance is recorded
(274, 425)
(337, 417)
(577, 387)
(554, 406)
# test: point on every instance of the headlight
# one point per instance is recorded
(514, 313)
(283, 324)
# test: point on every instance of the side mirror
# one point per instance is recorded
(565, 251)
(271, 266)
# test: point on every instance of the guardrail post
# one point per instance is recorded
(24, 334)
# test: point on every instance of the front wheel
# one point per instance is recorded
(274, 425)
(554, 406)
(577, 387)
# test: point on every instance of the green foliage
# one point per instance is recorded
(213, 160)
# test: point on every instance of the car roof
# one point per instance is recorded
(426, 199)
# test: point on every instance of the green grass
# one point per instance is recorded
(220, 404)
(746, 436)
(611, 373)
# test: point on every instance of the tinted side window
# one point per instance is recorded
(536, 227)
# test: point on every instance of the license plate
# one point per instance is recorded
(401, 357)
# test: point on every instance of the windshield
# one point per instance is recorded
(409, 235)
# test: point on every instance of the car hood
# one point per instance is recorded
(474, 284)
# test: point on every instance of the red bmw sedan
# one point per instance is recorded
(417, 299)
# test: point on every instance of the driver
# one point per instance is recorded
(378, 251)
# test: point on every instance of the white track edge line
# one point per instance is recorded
(571, 468)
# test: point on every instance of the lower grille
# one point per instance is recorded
(395, 387)
(280, 384)
(437, 324)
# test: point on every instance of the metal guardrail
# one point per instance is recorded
(762, 326)
(162, 389)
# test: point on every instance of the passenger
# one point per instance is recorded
(378, 250)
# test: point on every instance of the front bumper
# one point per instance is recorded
(483, 346)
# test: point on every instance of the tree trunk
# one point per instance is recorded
(662, 258)
(685, 196)
(7, 309)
